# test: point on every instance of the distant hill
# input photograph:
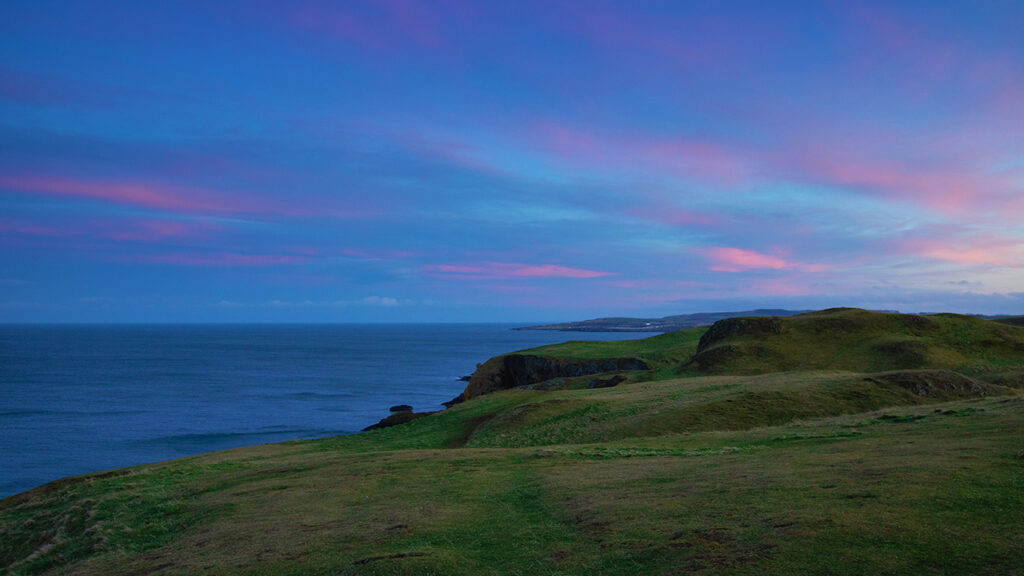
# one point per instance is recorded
(666, 324)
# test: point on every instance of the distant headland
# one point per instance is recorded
(666, 324)
(687, 321)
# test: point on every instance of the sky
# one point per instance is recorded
(449, 160)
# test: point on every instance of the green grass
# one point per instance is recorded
(858, 340)
(801, 472)
(661, 350)
(911, 489)
(838, 339)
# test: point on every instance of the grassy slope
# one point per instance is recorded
(823, 472)
(852, 339)
(660, 350)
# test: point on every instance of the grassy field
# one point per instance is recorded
(800, 472)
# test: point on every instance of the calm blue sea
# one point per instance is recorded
(84, 398)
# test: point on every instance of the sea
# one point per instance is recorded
(84, 398)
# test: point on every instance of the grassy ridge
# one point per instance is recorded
(857, 340)
(661, 350)
(808, 471)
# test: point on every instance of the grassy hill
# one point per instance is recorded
(852, 339)
(855, 459)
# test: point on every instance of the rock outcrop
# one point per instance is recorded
(396, 418)
(516, 370)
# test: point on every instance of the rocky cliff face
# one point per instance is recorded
(513, 370)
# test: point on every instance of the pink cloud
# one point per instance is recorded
(119, 230)
(163, 197)
(950, 172)
(948, 189)
(180, 199)
(506, 270)
(724, 259)
(970, 256)
(976, 251)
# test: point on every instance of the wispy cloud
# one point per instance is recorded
(221, 259)
(506, 270)
(150, 195)
(727, 259)
(174, 198)
(390, 26)
(970, 251)
(681, 156)
(367, 302)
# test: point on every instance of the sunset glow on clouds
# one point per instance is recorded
(507, 161)
(738, 260)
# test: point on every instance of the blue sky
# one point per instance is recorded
(407, 160)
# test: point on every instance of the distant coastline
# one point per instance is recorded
(686, 321)
(666, 324)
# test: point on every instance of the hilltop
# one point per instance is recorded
(835, 442)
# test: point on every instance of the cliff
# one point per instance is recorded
(518, 370)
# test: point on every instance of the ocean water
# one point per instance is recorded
(84, 398)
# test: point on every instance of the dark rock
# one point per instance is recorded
(400, 408)
(396, 419)
(607, 382)
(517, 370)
(457, 400)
